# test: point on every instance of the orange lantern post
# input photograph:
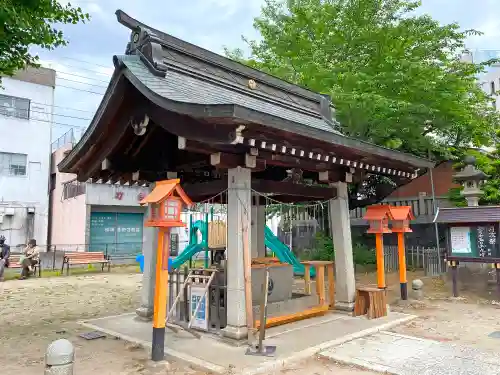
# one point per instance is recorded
(378, 218)
(401, 217)
(165, 206)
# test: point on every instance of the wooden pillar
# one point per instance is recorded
(379, 246)
(454, 277)
(331, 284)
(320, 283)
(403, 282)
(497, 271)
(160, 296)
(307, 279)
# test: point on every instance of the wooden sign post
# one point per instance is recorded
(473, 236)
(401, 217)
(378, 218)
(165, 206)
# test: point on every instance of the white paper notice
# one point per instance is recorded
(460, 240)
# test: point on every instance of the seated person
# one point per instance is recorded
(30, 259)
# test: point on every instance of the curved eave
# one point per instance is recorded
(250, 115)
(67, 165)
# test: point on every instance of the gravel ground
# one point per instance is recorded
(37, 311)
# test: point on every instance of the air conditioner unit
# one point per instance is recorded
(31, 210)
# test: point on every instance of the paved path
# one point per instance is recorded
(406, 355)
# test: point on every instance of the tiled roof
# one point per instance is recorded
(479, 214)
(182, 87)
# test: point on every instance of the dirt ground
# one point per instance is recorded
(468, 319)
(37, 311)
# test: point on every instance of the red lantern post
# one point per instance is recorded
(165, 203)
(378, 218)
(401, 217)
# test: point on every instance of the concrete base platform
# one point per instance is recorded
(392, 353)
(295, 341)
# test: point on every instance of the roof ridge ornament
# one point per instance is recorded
(145, 43)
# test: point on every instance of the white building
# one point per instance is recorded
(26, 111)
(490, 83)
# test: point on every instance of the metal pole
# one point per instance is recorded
(434, 205)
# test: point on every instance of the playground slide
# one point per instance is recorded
(283, 252)
(187, 254)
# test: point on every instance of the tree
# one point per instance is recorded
(27, 23)
(489, 163)
(394, 77)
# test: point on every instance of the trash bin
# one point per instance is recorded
(140, 259)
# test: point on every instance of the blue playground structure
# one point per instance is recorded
(271, 241)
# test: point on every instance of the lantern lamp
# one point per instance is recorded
(378, 218)
(401, 217)
(166, 201)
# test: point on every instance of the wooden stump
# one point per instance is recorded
(370, 301)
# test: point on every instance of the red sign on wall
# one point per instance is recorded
(141, 196)
(119, 195)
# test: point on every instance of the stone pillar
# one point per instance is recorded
(239, 210)
(258, 226)
(149, 247)
(345, 285)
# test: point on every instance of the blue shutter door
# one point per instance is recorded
(102, 231)
(129, 233)
(116, 232)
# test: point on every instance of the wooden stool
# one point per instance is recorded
(370, 301)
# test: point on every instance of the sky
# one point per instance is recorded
(85, 65)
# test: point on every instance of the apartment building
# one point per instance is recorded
(26, 115)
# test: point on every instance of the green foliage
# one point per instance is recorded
(363, 255)
(489, 163)
(393, 75)
(323, 250)
(27, 23)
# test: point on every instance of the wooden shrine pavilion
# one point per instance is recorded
(175, 110)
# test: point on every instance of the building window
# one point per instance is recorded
(73, 189)
(492, 84)
(15, 107)
(13, 164)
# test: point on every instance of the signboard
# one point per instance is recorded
(475, 241)
(116, 232)
(200, 321)
(460, 239)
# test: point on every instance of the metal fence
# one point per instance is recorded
(214, 304)
(429, 259)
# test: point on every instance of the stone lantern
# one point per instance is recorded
(471, 179)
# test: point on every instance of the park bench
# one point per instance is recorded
(14, 262)
(72, 259)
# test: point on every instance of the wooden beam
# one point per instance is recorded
(223, 160)
(106, 165)
(341, 174)
(295, 317)
(292, 189)
(190, 128)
